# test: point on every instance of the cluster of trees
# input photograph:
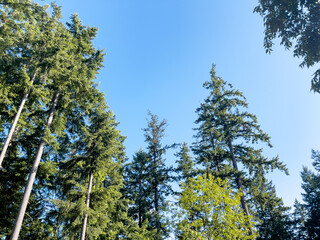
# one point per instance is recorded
(63, 169)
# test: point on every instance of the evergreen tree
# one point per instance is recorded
(90, 204)
(226, 137)
(137, 187)
(27, 57)
(34, 48)
(274, 218)
(311, 197)
(185, 167)
(159, 173)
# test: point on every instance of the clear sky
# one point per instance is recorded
(160, 52)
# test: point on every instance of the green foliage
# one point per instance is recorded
(185, 163)
(211, 210)
(137, 187)
(159, 173)
(311, 198)
(274, 218)
(297, 24)
(227, 136)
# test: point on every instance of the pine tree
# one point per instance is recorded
(226, 137)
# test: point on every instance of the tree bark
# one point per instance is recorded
(85, 220)
(15, 121)
(33, 172)
(238, 181)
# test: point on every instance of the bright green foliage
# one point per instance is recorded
(185, 163)
(137, 187)
(211, 210)
(296, 23)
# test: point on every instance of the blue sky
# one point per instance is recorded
(159, 53)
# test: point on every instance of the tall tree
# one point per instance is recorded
(27, 59)
(71, 82)
(226, 137)
(297, 24)
(159, 173)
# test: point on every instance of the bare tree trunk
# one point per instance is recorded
(15, 121)
(33, 172)
(85, 220)
(239, 183)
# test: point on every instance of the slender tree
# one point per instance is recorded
(159, 172)
(226, 137)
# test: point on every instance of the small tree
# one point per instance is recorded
(211, 210)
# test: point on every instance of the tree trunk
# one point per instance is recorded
(33, 172)
(238, 181)
(85, 220)
(15, 121)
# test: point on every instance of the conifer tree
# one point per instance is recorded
(185, 165)
(226, 137)
(92, 181)
(28, 54)
(159, 173)
(70, 81)
(311, 198)
(137, 187)
(274, 218)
